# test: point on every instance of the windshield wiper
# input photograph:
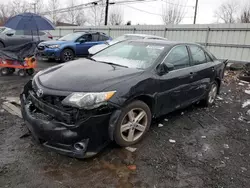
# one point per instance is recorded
(114, 64)
(90, 58)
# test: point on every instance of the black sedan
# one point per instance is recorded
(78, 107)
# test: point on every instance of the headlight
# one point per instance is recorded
(54, 46)
(87, 100)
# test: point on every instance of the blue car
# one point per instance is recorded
(71, 45)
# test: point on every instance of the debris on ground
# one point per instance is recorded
(203, 137)
(219, 98)
(132, 167)
(172, 141)
(248, 113)
(1, 110)
(131, 149)
(246, 103)
(226, 146)
(241, 84)
(243, 119)
(244, 82)
(166, 120)
(12, 109)
(243, 169)
(221, 165)
(160, 125)
(27, 134)
(13, 100)
(182, 113)
(247, 92)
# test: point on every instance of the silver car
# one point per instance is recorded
(10, 37)
(99, 47)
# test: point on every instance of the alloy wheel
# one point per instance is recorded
(68, 56)
(133, 125)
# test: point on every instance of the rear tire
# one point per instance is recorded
(21, 73)
(133, 123)
(211, 95)
(67, 55)
(5, 71)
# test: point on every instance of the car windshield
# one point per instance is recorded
(71, 37)
(2, 29)
(131, 54)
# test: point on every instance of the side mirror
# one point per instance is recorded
(164, 68)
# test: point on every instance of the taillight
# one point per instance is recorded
(50, 36)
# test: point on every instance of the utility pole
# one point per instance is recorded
(34, 4)
(195, 12)
(106, 12)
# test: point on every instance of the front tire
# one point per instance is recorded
(211, 95)
(67, 55)
(133, 123)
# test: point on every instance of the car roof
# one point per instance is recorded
(145, 35)
(90, 32)
(163, 42)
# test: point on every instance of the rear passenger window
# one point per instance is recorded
(198, 55)
(103, 38)
(95, 37)
(178, 57)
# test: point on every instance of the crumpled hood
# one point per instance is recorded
(84, 75)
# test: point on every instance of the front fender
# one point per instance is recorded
(112, 123)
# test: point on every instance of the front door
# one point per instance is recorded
(174, 85)
(17, 38)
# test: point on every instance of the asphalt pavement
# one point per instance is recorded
(195, 147)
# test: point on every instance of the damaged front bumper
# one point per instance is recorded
(57, 129)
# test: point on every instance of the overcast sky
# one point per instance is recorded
(150, 12)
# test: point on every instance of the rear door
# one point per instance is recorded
(174, 85)
(204, 70)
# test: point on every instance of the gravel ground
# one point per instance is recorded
(211, 150)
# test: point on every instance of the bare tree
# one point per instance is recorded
(20, 6)
(116, 16)
(5, 12)
(52, 10)
(173, 13)
(245, 15)
(227, 12)
(74, 15)
(96, 14)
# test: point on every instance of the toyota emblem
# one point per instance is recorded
(39, 93)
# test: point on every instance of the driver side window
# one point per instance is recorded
(87, 38)
(178, 57)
